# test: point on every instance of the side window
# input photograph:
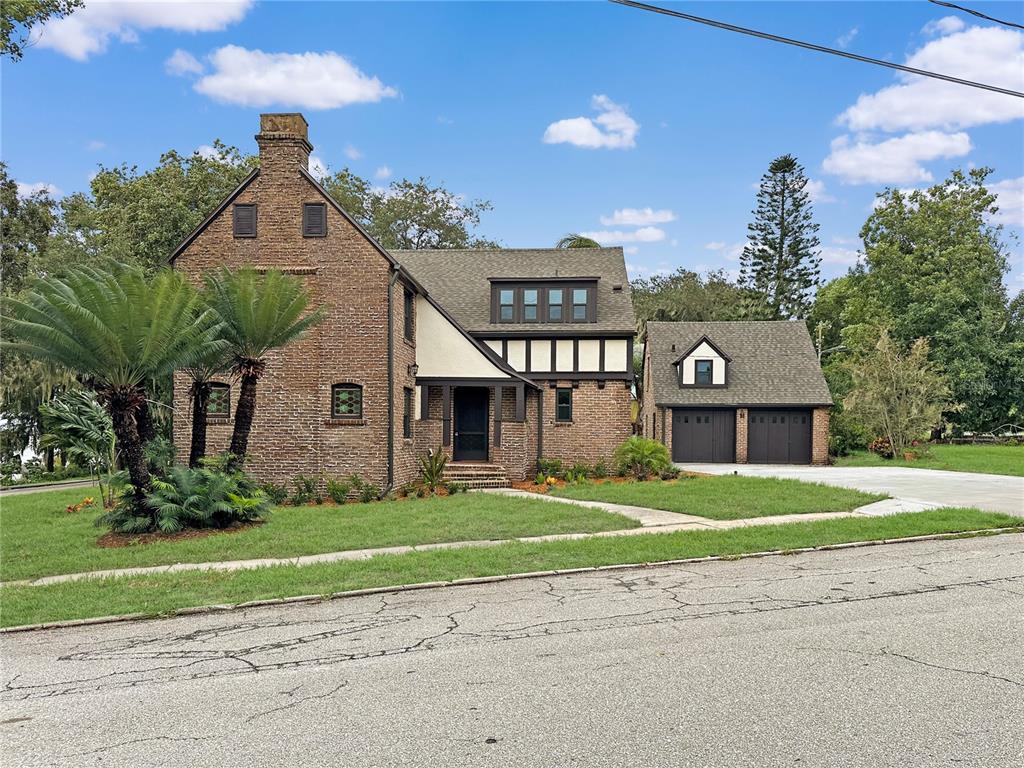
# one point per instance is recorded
(218, 404)
(530, 298)
(579, 305)
(563, 404)
(506, 305)
(704, 372)
(407, 414)
(555, 298)
(243, 219)
(409, 305)
(314, 220)
(346, 401)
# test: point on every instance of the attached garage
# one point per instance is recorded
(779, 436)
(704, 435)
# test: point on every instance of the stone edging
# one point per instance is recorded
(489, 579)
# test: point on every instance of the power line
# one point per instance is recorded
(979, 14)
(813, 47)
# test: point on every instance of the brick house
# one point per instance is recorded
(744, 392)
(500, 357)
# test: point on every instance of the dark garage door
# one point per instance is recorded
(705, 435)
(779, 437)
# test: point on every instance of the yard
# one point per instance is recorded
(991, 459)
(724, 497)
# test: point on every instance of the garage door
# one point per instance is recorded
(703, 435)
(779, 437)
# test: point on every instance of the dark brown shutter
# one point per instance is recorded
(314, 220)
(244, 220)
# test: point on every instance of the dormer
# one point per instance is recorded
(551, 300)
(703, 365)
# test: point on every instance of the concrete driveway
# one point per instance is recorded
(933, 487)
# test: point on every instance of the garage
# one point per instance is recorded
(776, 436)
(704, 435)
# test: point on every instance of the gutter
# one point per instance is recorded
(391, 379)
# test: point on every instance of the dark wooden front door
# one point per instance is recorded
(470, 405)
(776, 436)
(704, 435)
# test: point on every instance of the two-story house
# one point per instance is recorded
(498, 357)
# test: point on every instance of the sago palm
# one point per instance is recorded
(115, 328)
(259, 312)
(202, 372)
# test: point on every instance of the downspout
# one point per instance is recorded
(391, 381)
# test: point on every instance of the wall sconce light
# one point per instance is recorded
(414, 369)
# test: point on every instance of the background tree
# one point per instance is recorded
(574, 240)
(78, 425)
(18, 17)
(25, 226)
(897, 395)
(686, 295)
(259, 313)
(781, 263)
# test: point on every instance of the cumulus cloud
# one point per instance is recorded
(831, 254)
(182, 63)
(638, 217)
(816, 190)
(28, 190)
(613, 128)
(253, 78)
(352, 153)
(986, 54)
(1010, 194)
(892, 161)
(382, 173)
(89, 29)
(944, 26)
(845, 39)
(618, 236)
(95, 145)
(715, 245)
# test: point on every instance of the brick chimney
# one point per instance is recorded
(283, 142)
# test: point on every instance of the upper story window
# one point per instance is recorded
(537, 302)
(409, 304)
(580, 303)
(243, 219)
(218, 402)
(530, 299)
(555, 298)
(704, 372)
(314, 220)
(507, 305)
(346, 401)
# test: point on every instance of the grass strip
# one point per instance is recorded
(990, 459)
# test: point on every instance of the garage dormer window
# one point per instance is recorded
(704, 372)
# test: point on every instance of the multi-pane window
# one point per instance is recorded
(346, 401)
(579, 305)
(243, 219)
(703, 372)
(530, 299)
(218, 402)
(507, 305)
(408, 305)
(563, 404)
(555, 298)
(407, 414)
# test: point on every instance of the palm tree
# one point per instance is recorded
(573, 240)
(259, 312)
(114, 328)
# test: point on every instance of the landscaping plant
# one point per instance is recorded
(642, 457)
(276, 492)
(305, 491)
(432, 469)
(78, 425)
(338, 491)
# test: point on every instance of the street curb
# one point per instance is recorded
(204, 609)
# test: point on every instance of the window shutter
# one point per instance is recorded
(245, 220)
(314, 220)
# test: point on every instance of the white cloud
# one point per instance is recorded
(613, 128)
(986, 54)
(95, 145)
(382, 173)
(845, 39)
(641, 235)
(816, 190)
(893, 161)
(637, 271)
(631, 250)
(317, 168)
(252, 78)
(28, 190)
(837, 255)
(90, 28)
(352, 153)
(1010, 193)
(947, 25)
(638, 217)
(715, 245)
(182, 63)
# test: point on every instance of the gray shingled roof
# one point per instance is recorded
(459, 281)
(773, 363)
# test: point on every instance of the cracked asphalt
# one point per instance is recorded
(900, 655)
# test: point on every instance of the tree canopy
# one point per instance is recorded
(686, 295)
(18, 17)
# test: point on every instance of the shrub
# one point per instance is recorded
(305, 491)
(574, 477)
(671, 473)
(369, 492)
(550, 467)
(642, 457)
(338, 491)
(600, 470)
(454, 488)
(540, 479)
(276, 493)
(581, 469)
(159, 453)
(422, 491)
(432, 468)
(882, 447)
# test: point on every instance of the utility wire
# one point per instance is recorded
(813, 47)
(979, 14)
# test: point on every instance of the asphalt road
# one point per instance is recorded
(899, 655)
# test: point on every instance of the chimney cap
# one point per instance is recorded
(290, 123)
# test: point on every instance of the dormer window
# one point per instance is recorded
(507, 305)
(555, 299)
(704, 372)
(544, 301)
(530, 303)
(579, 305)
(703, 364)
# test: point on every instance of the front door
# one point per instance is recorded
(470, 405)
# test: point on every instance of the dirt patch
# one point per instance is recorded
(113, 540)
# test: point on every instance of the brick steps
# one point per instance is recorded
(474, 475)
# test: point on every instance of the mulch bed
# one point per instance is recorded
(113, 540)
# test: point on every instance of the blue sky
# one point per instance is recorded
(566, 116)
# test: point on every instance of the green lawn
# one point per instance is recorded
(38, 538)
(157, 594)
(724, 497)
(992, 459)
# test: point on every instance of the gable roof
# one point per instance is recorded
(771, 363)
(702, 340)
(461, 281)
(213, 215)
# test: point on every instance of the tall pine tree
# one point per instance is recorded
(781, 262)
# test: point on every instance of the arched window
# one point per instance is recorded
(218, 403)
(346, 401)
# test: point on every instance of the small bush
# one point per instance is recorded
(276, 492)
(581, 469)
(432, 468)
(600, 470)
(882, 447)
(550, 467)
(454, 488)
(575, 478)
(540, 479)
(338, 491)
(642, 457)
(368, 492)
(671, 473)
(305, 491)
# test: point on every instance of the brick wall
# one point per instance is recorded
(741, 435)
(600, 422)
(819, 436)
